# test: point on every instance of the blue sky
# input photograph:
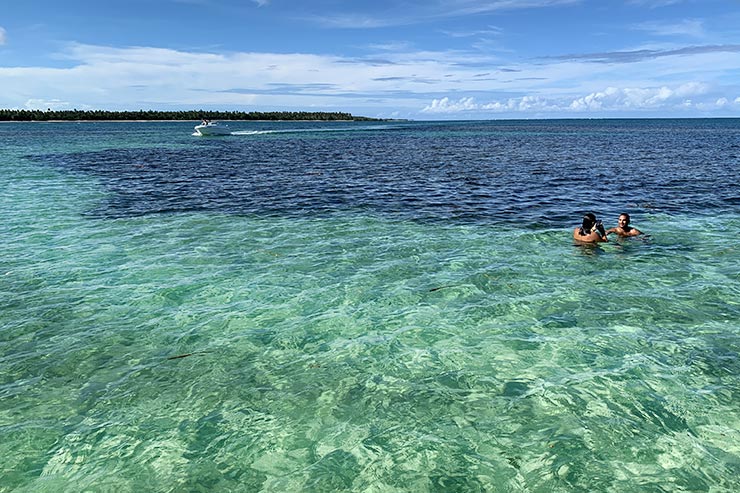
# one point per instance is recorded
(418, 59)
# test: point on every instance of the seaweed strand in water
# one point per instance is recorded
(185, 355)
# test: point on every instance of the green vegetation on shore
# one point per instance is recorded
(76, 115)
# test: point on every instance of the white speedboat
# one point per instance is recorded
(212, 128)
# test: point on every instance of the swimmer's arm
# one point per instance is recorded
(597, 236)
(593, 237)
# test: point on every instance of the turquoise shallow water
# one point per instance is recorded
(373, 345)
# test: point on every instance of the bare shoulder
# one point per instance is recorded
(589, 238)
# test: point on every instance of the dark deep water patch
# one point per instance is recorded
(534, 173)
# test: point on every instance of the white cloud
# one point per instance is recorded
(491, 31)
(521, 105)
(687, 27)
(613, 98)
(655, 3)
(397, 46)
(92, 55)
(595, 100)
(421, 11)
(524, 104)
(358, 21)
(445, 105)
(535, 103)
(137, 77)
(3, 36)
(454, 8)
(692, 89)
(43, 104)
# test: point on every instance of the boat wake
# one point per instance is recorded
(198, 134)
(311, 130)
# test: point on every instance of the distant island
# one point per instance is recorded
(99, 115)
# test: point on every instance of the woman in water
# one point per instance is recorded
(591, 230)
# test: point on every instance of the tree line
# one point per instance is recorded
(76, 115)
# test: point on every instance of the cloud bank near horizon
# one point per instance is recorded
(415, 84)
(612, 99)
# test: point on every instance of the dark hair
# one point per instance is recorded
(588, 222)
(626, 216)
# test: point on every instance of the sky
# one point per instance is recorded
(413, 59)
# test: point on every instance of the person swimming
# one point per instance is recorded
(623, 228)
(590, 231)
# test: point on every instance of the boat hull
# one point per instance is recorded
(211, 129)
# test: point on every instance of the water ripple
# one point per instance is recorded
(489, 172)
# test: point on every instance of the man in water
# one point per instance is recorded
(624, 229)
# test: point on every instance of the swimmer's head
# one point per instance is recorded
(588, 221)
(624, 220)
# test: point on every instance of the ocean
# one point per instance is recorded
(369, 306)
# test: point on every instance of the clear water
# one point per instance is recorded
(369, 307)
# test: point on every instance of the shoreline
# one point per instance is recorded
(175, 115)
(197, 120)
